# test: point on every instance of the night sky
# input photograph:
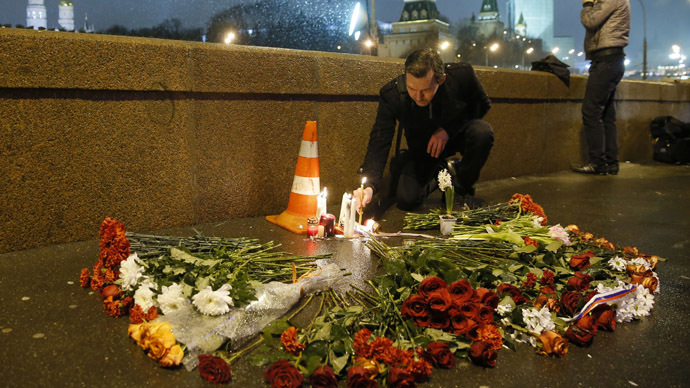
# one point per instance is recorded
(668, 21)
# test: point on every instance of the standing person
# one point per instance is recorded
(607, 24)
(440, 108)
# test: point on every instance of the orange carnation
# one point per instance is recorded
(136, 314)
(361, 343)
(289, 340)
(491, 335)
(84, 278)
(527, 205)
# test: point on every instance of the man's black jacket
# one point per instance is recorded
(459, 99)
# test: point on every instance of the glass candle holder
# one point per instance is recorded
(312, 228)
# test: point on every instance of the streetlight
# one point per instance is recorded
(555, 50)
(493, 47)
(528, 52)
(444, 45)
(229, 37)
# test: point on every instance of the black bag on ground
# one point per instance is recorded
(671, 140)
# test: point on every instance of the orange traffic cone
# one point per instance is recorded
(305, 186)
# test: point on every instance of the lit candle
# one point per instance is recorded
(361, 199)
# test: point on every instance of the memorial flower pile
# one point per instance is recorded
(503, 276)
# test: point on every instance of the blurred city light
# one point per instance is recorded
(229, 37)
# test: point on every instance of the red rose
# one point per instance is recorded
(399, 378)
(582, 332)
(470, 310)
(358, 377)
(581, 261)
(487, 297)
(323, 377)
(473, 331)
(282, 374)
(214, 369)
(461, 291)
(440, 300)
(415, 306)
(459, 322)
(439, 320)
(570, 301)
(485, 314)
(605, 317)
(440, 355)
(481, 354)
(431, 284)
(579, 282)
(514, 292)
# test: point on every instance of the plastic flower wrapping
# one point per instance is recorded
(502, 277)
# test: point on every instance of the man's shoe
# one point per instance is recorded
(590, 168)
(612, 167)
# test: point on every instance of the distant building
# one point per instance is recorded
(66, 15)
(488, 23)
(89, 28)
(535, 16)
(36, 15)
(419, 27)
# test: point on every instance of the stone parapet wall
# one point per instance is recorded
(164, 133)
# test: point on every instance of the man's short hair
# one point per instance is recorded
(421, 61)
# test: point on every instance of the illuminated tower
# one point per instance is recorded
(521, 26)
(488, 21)
(36, 14)
(537, 15)
(66, 15)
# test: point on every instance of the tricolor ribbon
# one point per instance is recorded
(606, 297)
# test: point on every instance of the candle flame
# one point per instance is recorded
(364, 180)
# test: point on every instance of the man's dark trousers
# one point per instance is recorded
(598, 110)
(418, 177)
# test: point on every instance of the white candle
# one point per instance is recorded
(321, 204)
(350, 224)
(343, 209)
(361, 200)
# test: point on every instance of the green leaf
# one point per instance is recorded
(526, 249)
(417, 277)
(553, 247)
(338, 363)
(324, 333)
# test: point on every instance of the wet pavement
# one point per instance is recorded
(55, 334)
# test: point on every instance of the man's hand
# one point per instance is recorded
(437, 143)
(368, 194)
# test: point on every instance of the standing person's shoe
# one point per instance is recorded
(612, 167)
(453, 168)
(590, 168)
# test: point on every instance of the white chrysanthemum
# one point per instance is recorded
(131, 271)
(504, 309)
(641, 261)
(444, 180)
(536, 221)
(211, 302)
(538, 320)
(145, 296)
(558, 232)
(171, 298)
(618, 263)
(635, 305)
(658, 284)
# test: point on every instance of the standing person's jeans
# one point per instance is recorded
(418, 177)
(598, 111)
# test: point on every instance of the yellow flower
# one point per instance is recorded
(172, 357)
